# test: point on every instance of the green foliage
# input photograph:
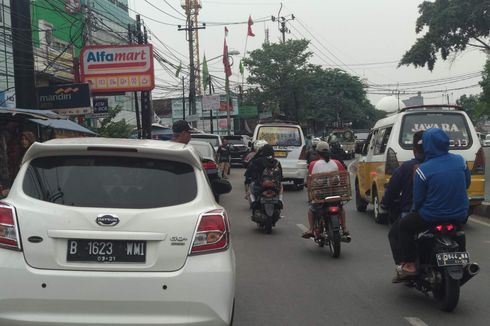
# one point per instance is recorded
(110, 129)
(291, 86)
(478, 106)
(450, 26)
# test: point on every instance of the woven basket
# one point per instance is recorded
(323, 185)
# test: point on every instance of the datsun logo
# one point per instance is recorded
(107, 220)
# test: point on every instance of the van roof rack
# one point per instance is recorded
(449, 107)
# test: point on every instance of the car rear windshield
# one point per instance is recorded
(454, 124)
(115, 182)
(280, 136)
(234, 140)
(213, 140)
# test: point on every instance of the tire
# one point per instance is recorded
(361, 204)
(447, 296)
(299, 184)
(268, 225)
(335, 244)
(379, 218)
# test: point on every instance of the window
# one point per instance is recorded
(110, 182)
(454, 124)
(280, 136)
(382, 140)
(367, 144)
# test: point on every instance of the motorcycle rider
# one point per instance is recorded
(257, 147)
(257, 167)
(336, 151)
(312, 155)
(323, 165)
(439, 195)
(397, 198)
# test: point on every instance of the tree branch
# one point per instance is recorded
(485, 45)
(477, 46)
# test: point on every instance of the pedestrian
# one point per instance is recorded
(182, 132)
(224, 159)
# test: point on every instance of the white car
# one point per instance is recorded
(114, 232)
(486, 141)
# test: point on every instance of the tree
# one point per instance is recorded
(110, 129)
(450, 26)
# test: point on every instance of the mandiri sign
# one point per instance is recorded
(117, 68)
(72, 97)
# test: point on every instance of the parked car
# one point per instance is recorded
(238, 149)
(486, 142)
(214, 140)
(114, 231)
(390, 143)
(289, 148)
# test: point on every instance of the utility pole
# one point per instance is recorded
(25, 85)
(192, 10)
(281, 23)
(146, 109)
(183, 99)
(136, 103)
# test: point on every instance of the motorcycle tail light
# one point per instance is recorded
(212, 233)
(439, 228)
(9, 232)
(449, 227)
(334, 209)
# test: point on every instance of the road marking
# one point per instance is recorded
(415, 321)
(302, 227)
(474, 220)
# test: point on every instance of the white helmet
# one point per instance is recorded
(258, 144)
(315, 141)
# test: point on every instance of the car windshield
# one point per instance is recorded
(344, 136)
(110, 182)
(213, 140)
(454, 124)
(280, 136)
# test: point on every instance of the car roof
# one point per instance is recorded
(103, 146)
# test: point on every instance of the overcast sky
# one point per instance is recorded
(365, 38)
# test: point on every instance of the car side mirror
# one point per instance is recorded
(221, 187)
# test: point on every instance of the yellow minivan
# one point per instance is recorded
(390, 143)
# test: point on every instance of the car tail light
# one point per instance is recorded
(9, 233)
(302, 156)
(209, 165)
(212, 233)
(479, 165)
(391, 162)
(334, 209)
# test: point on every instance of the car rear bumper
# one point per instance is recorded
(201, 293)
(294, 171)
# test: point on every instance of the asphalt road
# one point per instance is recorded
(283, 279)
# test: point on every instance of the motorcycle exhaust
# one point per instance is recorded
(470, 270)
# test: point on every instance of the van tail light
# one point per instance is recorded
(479, 165)
(391, 162)
(9, 232)
(302, 156)
(212, 233)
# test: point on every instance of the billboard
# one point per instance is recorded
(75, 97)
(117, 68)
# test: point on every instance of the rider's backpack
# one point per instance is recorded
(271, 177)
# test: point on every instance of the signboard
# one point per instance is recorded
(211, 102)
(101, 108)
(67, 96)
(248, 112)
(117, 68)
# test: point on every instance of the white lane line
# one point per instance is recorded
(415, 321)
(302, 227)
(474, 220)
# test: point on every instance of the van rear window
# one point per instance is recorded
(280, 136)
(453, 124)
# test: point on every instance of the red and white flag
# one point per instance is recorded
(226, 62)
(250, 23)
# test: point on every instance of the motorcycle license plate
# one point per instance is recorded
(452, 258)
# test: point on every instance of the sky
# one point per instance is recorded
(365, 38)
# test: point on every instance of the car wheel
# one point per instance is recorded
(379, 217)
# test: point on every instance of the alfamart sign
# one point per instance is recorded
(117, 68)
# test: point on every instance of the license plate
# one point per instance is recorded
(106, 251)
(452, 258)
(280, 154)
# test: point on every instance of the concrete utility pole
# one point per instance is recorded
(25, 84)
(136, 103)
(146, 112)
(281, 23)
(191, 8)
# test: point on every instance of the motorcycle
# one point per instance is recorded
(327, 192)
(327, 228)
(269, 212)
(443, 263)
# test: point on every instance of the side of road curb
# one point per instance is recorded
(483, 210)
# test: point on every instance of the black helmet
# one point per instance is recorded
(267, 150)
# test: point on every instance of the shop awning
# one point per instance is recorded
(62, 124)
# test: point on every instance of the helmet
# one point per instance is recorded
(315, 141)
(322, 148)
(258, 144)
(267, 150)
